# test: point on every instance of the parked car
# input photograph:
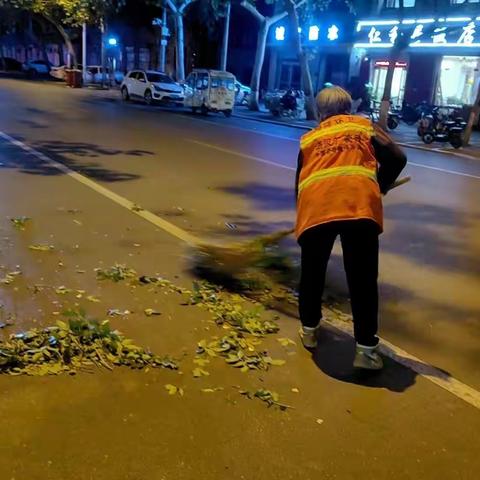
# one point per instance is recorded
(94, 74)
(152, 87)
(34, 68)
(210, 91)
(242, 92)
(8, 64)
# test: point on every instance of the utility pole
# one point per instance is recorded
(102, 32)
(226, 33)
(163, 40)
(84, 53)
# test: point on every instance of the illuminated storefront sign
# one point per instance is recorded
(457, 32)
(326, 33)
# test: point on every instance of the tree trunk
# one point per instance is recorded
(226, 33)
(306, 77)
(387, 91)
(180, 48)
(472, 119)
(66, 39)
(253, 103)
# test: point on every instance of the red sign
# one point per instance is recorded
(386, 63)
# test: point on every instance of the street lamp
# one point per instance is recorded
(112, 41)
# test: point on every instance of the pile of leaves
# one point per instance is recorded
(231, 312)
(239, 352)
(116, 273)
(77, 344)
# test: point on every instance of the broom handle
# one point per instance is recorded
(279, 235)
(398, 183)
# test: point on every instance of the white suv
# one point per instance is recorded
(152, 87)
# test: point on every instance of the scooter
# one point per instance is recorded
(432, 129)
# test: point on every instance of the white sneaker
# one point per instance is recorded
(308, 335)
(367, 358)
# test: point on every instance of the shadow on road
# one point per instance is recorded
(264, 196)
(63, 152)
(334, 357)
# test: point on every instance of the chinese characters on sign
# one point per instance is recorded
(467, 36)
(374, 36)
(462, 33)
(333, 33)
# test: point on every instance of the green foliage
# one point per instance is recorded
(69, 346)
(68, 12)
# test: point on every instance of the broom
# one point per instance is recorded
(229, 261)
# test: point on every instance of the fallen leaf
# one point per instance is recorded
(171, 389)
(78, 222)
(319, 421)
(285, 342)
(93, 299)
(20, 222)
(295, 390)
(199, 372)
(136, 208)
(115, 312)
(41, 248)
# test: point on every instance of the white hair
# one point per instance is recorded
(333, 101)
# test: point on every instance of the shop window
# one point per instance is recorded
(396, 3)
(461, 2)
(458, 81)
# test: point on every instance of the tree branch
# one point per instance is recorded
(184, 5)
(250, 8)
(172, 6)
(279, 16)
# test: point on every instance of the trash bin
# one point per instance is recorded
(68, 77)
(73, 78)
(76, 78)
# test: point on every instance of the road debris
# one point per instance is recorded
(115, 312)
(267, 396)
(41, 248)
(10, 277)
(174, 390)
(116, 273)
(20, 222)
(150, 312)
(136, 208)
(74, 345)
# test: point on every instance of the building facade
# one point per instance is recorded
(439, 61)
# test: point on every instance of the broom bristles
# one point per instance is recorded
(235, 258)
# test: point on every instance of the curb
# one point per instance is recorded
(273, 122)
(402, 144)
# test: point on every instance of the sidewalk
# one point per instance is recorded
(404, 134)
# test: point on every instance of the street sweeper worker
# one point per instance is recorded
(344, 167)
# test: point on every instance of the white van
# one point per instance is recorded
(210, 91)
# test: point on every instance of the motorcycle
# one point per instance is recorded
(437, 128)
(289, 104)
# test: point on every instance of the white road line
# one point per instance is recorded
(268, 162)
(238, 154)
(444, 170)
(118, 199)
(450, 384)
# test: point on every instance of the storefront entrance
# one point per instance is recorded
(398, 84)
(458, 81)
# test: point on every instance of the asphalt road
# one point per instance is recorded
(228, 179)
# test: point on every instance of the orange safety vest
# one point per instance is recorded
(338, 178)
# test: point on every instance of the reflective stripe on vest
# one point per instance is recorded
(337, 172)
(334, 130)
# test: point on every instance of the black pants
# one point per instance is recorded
(360, 258)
